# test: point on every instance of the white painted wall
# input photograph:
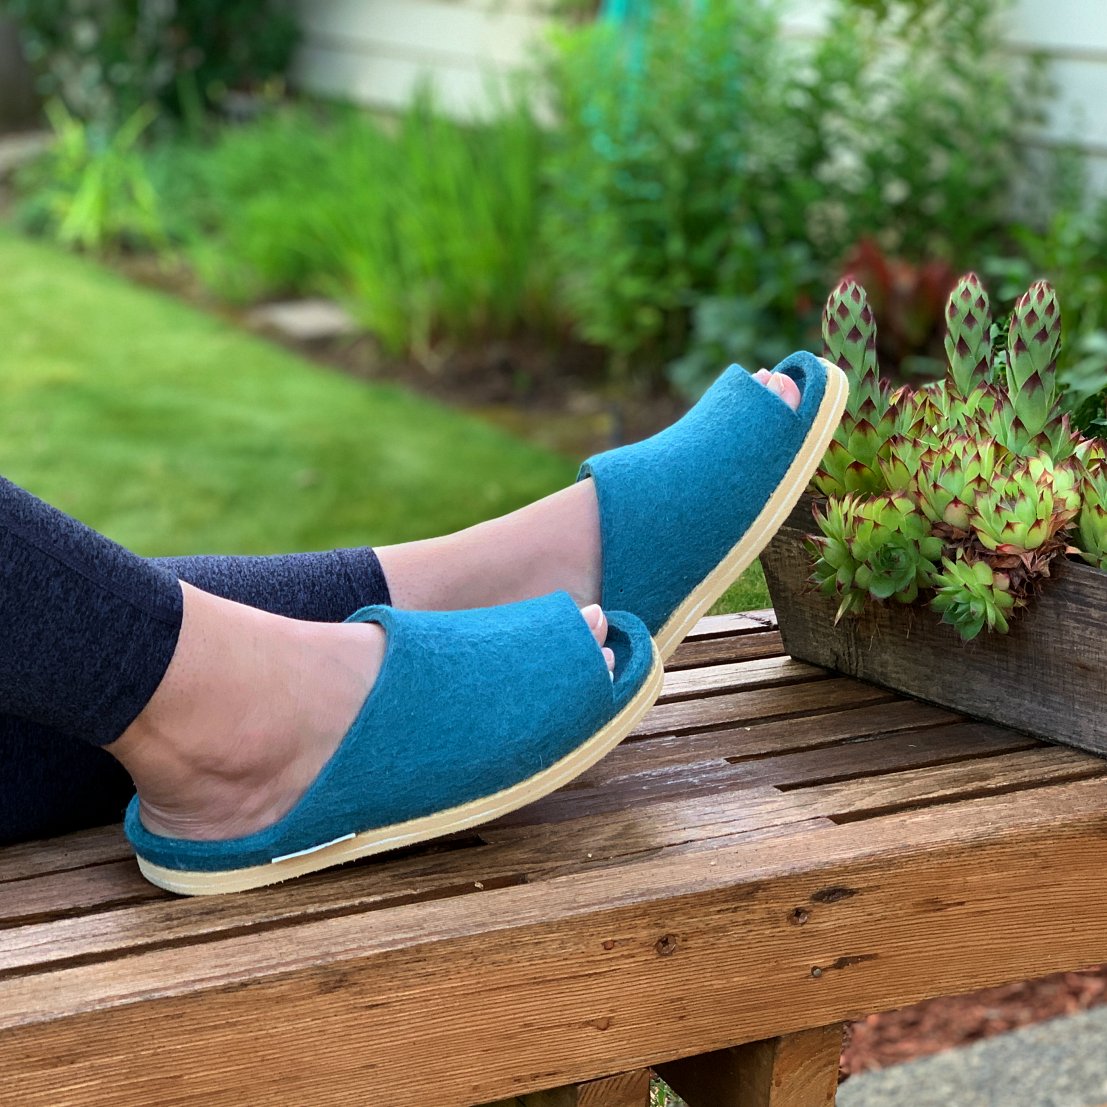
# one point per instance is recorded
(375, 51)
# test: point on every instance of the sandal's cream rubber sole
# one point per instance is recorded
(428, 826)
(769, 520)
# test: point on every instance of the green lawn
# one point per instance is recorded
(173, 432)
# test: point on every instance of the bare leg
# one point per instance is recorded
(548, 545)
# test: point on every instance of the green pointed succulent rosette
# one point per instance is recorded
(852, 462)
(877, 546)
(961, 493)
(1092, 524)
(969, 336)
(972, 596)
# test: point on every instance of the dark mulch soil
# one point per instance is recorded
(886, 1039)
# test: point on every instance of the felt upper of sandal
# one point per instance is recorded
(673, 506)
(466, 703)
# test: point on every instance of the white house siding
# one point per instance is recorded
(376, 51)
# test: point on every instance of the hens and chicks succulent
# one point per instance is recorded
(964, 491)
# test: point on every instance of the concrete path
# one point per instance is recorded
(1060, 1063)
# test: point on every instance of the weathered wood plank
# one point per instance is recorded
(858, 798)
(737, 676)
(107, 846)
(74, 892)
(73, 851)
(585, 975)
(530, 857)
(521, 853)
(737, 647)
(743, 708)
(631, 1089)
(795, 1070)
(117, 883)
(741, 622)
(1045, 677)
(768, 739)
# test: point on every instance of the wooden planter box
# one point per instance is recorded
(1047, 677)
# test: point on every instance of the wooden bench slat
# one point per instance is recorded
(106, 845)
(739, 622)
(545, 986)
(516, 853)
(75, 892)
(991, 821)
(737, 676)
(744, 708)
(72, 851)
(513, 857)
(737, 647)
(767, 738)
(878, 756)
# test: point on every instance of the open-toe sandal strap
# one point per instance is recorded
(672, 505)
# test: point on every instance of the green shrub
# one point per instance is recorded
(661, 170)
(428, 228)
(911, 117)
(1066, 241)
(105, 58)
(443, 242)
(719, 172)
(91, 190)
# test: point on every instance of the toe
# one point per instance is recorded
(597, 623)
(785, 388)
(762, 376)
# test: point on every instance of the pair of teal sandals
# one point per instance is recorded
(476, 713)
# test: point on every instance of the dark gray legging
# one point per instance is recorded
(87, 629)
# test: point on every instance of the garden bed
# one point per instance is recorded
(892, 1037)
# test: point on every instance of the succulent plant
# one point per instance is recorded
(1092, 522)
(966, 489)
(852, 461)
(971, 596)
(878, 547)
(948, 479)
(1033, 340)
(1027, 507)
(969, 335)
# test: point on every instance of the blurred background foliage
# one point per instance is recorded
(676, 183)
(106, 58)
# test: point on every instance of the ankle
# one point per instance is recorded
(550, 545)
(250, 709)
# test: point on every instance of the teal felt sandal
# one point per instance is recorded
(473, 714)
(683, 513)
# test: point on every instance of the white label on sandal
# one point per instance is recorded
(312, 849)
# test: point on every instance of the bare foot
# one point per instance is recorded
(548, 545)
(251, 707)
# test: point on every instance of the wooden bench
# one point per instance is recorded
(776, 850)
